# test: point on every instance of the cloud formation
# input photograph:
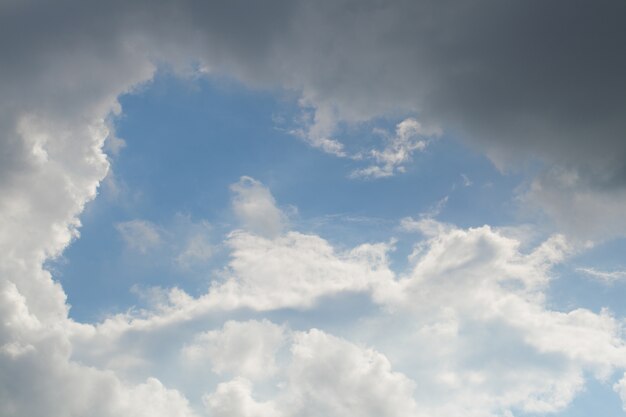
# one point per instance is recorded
(467, 322)
(504, 77)
(256, 209)
(555, 92)
(410, 136)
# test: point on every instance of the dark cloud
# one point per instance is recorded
(517, 79)
(536, 77)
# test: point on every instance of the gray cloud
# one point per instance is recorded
(520, 80)
(535, 78)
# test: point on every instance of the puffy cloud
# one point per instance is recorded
(244, 349)
(234, 399)
(256, 208)
(488, 342)
(292, 271)
(35, 356)
(331, 377)
(295, 270)
(326, 376)
(468, 325)
(58, 92)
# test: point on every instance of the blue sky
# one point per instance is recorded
(188, 141)
(297, 209)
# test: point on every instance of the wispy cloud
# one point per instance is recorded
(140, 235)
(410, 136)
(607, 277)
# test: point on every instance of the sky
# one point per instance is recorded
(336, 208)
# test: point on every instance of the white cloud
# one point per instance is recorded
(326, 376)
(488, 342)
(140, 235)
(620, 388)
(55, 108)
(256, 208)
(245, 349)
(113, 144)
(35, 359)
(331, 377)
(467, 324)
(234, 399)
(608, 277)
(410, 136)
(294, 270)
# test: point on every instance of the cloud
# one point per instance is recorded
(303, 267)
(607, 277)
(620, 388)
(234, 399)
(256, 208)
(35, 359)
(584, 206)
(476, 69)
(326, 376)
(410, 136)
(245, 349)
(553, 92)
(467, 324)
(329, 376)
(140, 235)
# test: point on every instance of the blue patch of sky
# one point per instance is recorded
(188, 141)
(573, 288)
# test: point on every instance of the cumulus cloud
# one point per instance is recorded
(234, 399)
(325, 376)
(245, 349)
(467, 324)
(256, 208)
(554, 92)
(291, 271)
(304, 268)
(331, 377)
